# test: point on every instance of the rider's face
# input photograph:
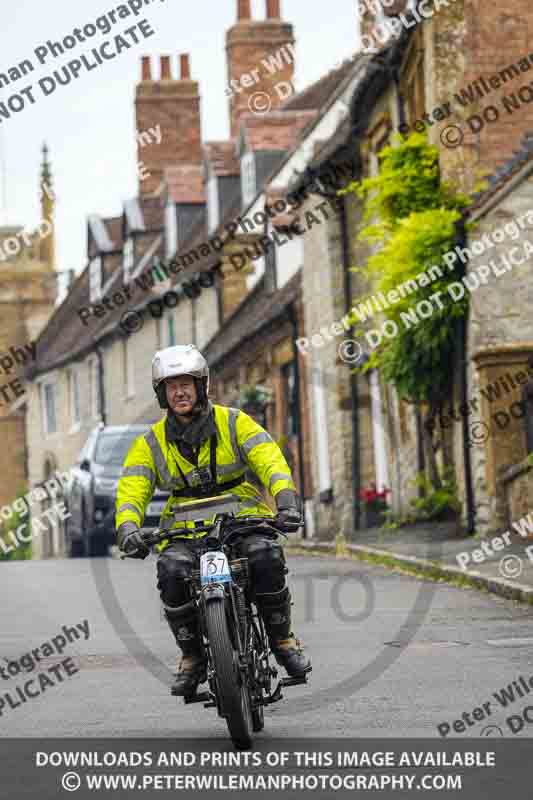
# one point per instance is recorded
(181, 394)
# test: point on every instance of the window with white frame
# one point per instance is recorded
(171, 229)
(248, 180)
(74, 397)
(212, 204)
(48, 400)
(128, 371)
(95, 279)
(94, 389)
(128, 258)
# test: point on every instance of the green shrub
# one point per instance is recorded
(413, 216)
(436, 504)
(12, 550)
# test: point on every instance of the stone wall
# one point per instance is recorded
(499, 343)
(206, 312)
(27, 291)
(518, 486)
(466, 41)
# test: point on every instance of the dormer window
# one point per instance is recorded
(128, 258)
(95, 279)
(171, 230)
(248, 180)
(213, 216)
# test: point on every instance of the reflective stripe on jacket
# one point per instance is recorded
(241, 443)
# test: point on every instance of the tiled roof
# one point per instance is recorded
(373, 74)
(64, 335)
(258, 309)
(505, 173)
(185, 184)
(277, 130)
(222, 158)
(66, 338)
(326, 150)
(316, 95)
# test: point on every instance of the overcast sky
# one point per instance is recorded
(89, 124)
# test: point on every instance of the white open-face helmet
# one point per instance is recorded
(183, 359)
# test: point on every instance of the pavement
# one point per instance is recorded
(498, 564)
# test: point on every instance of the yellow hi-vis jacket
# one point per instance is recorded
(241, 443)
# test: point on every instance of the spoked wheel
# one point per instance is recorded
(233, 692)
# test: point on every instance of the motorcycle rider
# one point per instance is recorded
(199, 450)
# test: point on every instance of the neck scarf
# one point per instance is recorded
(188, 438)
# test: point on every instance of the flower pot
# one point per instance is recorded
(372, 517)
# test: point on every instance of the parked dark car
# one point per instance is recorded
(91, 493)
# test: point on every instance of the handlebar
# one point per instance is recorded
(155, 537)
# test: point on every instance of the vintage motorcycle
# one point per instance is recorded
(239, 672)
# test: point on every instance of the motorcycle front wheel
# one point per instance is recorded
(232, 689)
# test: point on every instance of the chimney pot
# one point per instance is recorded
(185, 67)
(273, 9)
(166, 74)
(146, 68)
(244, 9)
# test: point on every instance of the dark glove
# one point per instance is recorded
(289, 516)
(130, 541)
(289, 520)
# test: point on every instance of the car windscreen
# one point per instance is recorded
(112, 448)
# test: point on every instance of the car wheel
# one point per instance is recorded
(74, 548)
(95, 545)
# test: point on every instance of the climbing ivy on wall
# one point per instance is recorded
(410, 217)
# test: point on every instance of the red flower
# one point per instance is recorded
(371, 495)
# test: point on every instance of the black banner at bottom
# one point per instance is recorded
(294, 768)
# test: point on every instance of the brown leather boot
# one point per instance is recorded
(289, 653)
(192, 670)
(275, 609)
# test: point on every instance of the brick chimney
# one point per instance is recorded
(173, 104)
(250, 42)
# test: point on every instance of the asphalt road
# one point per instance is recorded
(392, 656)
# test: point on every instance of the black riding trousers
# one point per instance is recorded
(266, 565)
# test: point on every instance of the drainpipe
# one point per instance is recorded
(101, 384)
(463, 391)
(301, 472)
(354, 396)
(420, 454)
